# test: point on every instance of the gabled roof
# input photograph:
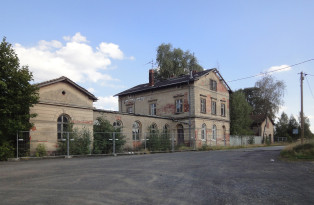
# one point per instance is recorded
(259, 119)
(184, 79)
(67, 80)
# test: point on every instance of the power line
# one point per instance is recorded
(252, 76)
(309, 85)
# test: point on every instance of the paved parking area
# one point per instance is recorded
(246, 176)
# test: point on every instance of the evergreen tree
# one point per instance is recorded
(281, 127)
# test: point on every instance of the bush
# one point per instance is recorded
(156, 141)
(6, 151)
(41, 150)
(299, 151)
(80, 141)
(103, 135)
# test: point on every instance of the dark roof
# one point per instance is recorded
(170, 82)
(67, 80)
(259, 119)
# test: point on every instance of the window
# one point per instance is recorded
(213, 85)
(117, 124)
(63, 125)
(203, 132)
(223, 109)
(129, 109)
(179, 106)
(166, 129)
(203, 105)
(214, 132)
(153, 109)
(213, 107)
(153, 128)
(136, 131)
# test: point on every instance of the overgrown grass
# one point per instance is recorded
(297, 151)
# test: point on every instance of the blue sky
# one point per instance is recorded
(105, 45)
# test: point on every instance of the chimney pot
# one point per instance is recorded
(151, 77)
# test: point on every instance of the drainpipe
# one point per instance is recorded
(191, 76)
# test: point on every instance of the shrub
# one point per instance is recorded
(6, 151)
(80, 141)
(299, 151)
(41, 150)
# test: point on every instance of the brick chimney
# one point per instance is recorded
(151, 77)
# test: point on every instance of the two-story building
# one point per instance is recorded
(193, 108)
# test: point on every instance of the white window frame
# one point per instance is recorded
(203, 132)
(153, 109)
(223, 109)
(214, 137)
(129, 109)
(179, 105)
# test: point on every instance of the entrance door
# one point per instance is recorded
(180, 132)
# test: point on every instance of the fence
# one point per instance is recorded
(245, 140)
(84, 142)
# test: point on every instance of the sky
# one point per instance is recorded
(106, 45)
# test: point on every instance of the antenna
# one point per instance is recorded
(151, 62)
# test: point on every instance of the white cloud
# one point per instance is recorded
(107, 103)
(92, 90)
(111, 50)
(280, 68)
(75, 59)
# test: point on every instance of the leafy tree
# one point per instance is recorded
(307, 125)
(266, 97)
(240, 111)
(174, 62)
(293, 124)
(17, 95)
(281, 127)
(103, 135)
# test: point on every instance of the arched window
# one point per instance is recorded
(136, 131)
(203, 132)
(63, 125)
(117, 123)
(214, 132)
(166, 129)
(153, 128)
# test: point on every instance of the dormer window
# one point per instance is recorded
(213, 85)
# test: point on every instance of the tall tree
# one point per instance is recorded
(240, 111)
(307, 131)
(281, 127)
(174, 62)
(17, 95)
(267, 96)
(293, 124)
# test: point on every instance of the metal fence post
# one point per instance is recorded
(145, 138)
(172, 142)
(114, 143)
(17, 144)
(68, 145)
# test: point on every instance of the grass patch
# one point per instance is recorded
(299, 151)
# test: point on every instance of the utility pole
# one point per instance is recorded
(302, 115)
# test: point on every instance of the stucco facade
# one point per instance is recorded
(59, 97)
(193, 108)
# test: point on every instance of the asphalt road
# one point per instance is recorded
(245, 176)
